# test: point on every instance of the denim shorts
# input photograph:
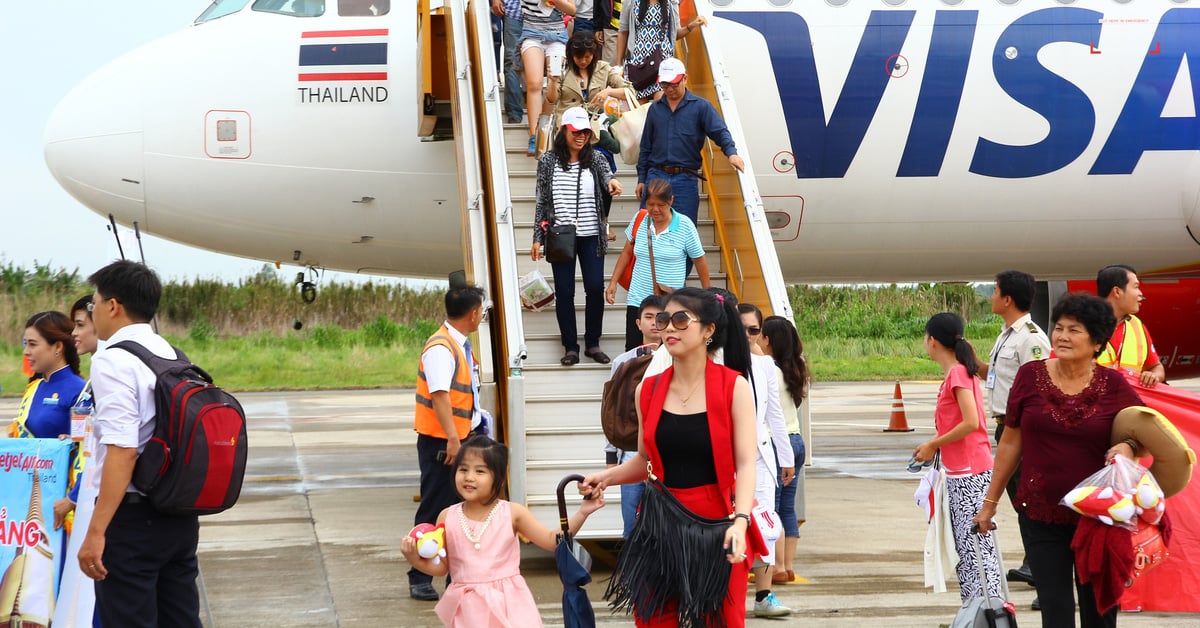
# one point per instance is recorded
(541, 37)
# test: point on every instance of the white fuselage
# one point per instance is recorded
(918, 142)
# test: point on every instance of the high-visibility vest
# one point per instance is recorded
(1134, 349)
(462, 397)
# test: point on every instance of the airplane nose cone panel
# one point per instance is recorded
(93, 142)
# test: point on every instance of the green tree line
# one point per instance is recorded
(369, 334)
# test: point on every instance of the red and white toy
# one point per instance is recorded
(431, 541)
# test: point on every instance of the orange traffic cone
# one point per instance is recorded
(898, 422)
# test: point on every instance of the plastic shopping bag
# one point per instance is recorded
(1120, 494)
(536, 292)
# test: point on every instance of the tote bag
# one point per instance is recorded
(629, 128)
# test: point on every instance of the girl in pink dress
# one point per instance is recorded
(483, 554)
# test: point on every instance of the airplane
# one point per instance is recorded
(893, 141)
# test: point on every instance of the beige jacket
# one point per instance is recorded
(570, 87)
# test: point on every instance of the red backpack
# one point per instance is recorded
(195, 461)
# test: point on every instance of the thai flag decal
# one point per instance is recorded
(344, 55)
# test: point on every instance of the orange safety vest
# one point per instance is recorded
(462, 397)
(1133, 351)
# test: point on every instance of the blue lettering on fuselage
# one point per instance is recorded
(826, 150)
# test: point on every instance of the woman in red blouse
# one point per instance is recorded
(1058, 426)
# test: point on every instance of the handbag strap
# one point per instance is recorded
(650, 244)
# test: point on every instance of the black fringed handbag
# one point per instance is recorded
(674, 562)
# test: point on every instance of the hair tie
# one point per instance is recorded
(958, 338)
(720, 298)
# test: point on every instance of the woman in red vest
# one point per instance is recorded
(697, 453)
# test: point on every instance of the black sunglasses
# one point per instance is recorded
(754, 331)
(680, 320)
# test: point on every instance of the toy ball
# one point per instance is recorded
(1147, 494)
(431, 541)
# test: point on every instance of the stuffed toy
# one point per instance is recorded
(431, 541)
(1104, 504)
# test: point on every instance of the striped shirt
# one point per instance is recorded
(535, 14)
(568, 186)
(672, 249)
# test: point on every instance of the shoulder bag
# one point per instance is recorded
(628, 128)
(673, 562)
(659, 289)
(560, 237)
(645, 73)
(627, 275)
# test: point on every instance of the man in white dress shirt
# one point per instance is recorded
(143, 562)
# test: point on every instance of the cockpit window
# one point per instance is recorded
(298, 8)
(364, 7)
(221, 8)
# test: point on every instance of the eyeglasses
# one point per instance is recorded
(580, 132)
(666, 85)
(680, 320)
(754, 331)
(91, 306)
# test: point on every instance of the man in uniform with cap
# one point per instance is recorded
(676, 128)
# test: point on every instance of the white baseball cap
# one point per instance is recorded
(671, 70)
(576, 119)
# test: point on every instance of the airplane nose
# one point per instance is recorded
(93, 142)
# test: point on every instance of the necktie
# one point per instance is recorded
(474, 382)
(1003, 339)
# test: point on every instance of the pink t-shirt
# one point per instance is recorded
(971, 455)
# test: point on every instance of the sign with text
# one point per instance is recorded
(33, 474)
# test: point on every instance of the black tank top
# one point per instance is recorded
(685, 445)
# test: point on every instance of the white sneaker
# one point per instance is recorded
(770, 607)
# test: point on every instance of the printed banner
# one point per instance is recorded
(33, 474)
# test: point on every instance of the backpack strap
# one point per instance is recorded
(158, 364)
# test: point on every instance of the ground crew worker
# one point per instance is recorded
(1130, 347)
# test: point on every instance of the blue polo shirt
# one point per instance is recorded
(50, 409)
(672, 249)
(675, 138)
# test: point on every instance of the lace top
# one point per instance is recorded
(1063, 437)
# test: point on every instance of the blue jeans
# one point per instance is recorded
(584, 25)
(514, 91)
(591, 268)
(785, 496)
(687, 192)
(631, 497)
(687, 197)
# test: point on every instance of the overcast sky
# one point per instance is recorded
(48, 46)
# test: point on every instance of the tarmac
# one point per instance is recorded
(314, 540)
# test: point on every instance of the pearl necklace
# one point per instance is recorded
(475, 537)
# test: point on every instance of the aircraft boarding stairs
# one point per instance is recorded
(550, 414)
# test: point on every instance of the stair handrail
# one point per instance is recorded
(702, 47)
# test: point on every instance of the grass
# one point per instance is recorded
(370, 335)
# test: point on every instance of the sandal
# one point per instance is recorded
(570, 359)
(597, 355)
